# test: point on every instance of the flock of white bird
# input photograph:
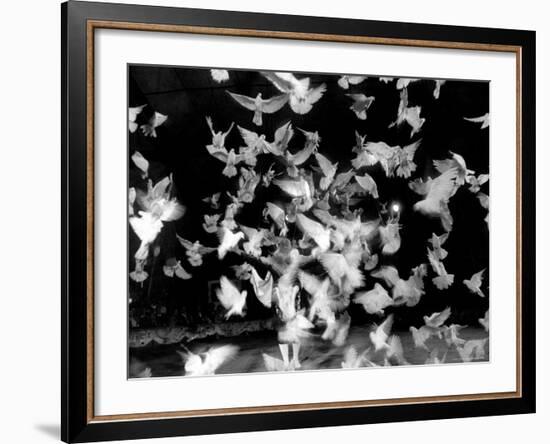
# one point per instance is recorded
(323, 201)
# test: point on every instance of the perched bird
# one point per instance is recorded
(361, 103)
(133, 113)
(345, 81)
(374, 301)
(437, 193)
(484, 120)
(211, 360)
(219, 75)
(301, 96)
(142, 163)
(150, 128)
(259, 105)
(474, 283)
(231, 298)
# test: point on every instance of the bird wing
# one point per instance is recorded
(328, 168)
(437, 319)
(274, 104)
(245, 101)
(309, 282)
(386, 326)
(250, 137)
(294, 188)
(420, 186)
(355, 80)
(282, 137)
(443, 186)
(282, 81)
(410, 150)
(219, 153)
(140, 161)
(314, 230)
(368, 184)
(134, 111)
(316, 93)
(479, 119)
(389, 274)
(216, 356)
(477, 278)
(228, 294)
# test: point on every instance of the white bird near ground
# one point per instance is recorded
(231, 298)
(420, 336)
(436, 193)
(219, 75)
(150, 128)
(302, 96)
(484, 120)
(346, 80)
(211, 360)
(474, 283)
(473, 349)
(361, 103)
(380, 334)
(259, 106)
(133, 113)
(437, 319)
(374, 301)
(450, 334)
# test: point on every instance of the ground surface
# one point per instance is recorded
(315, 354)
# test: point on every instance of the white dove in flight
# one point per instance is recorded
(219, 75)
(450, 334)
(420, 336)
(374, 301)
(218, 138)
(484, 321)
(361, 103)
(405, 160)
(195, 365)
(174, 268)
(328, 169)
(231, 298)
(346, 80)
(436, 242)
(133, 113)
(263, 288)
(437, 193)
(390, 238)
(259, 106)
(484, 120)
(142, 163)
(437, 88)
(474, 283)
(228, 241)
(443, 280)
(437, 319)
(156, 120)
(380, 334)
(302, 97)
(411, 115)
(368, 184)
(315, 231)
(194, 250)
(476, 182)
(456, 162)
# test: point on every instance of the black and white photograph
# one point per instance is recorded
(295, 221)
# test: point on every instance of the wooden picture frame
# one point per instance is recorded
(79, 22)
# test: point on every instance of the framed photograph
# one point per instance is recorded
(275, 221)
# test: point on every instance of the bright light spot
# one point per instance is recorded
(395, 208)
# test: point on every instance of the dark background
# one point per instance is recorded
(187, 95)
